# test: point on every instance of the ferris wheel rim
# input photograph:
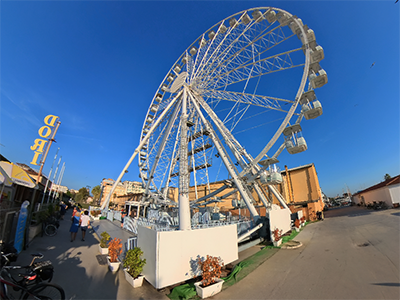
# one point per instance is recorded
(172, 71)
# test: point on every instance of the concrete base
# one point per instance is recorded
(172, 255)
(34, 230)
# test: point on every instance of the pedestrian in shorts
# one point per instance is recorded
(85, 223)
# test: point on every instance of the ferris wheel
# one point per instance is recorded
(229, 106)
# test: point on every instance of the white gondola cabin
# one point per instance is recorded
(211, 34)
(310, 106)
(270, 15)
(294, 140)
(318, 79)
(271, 176)
(246, 19)
(257, 15)
(283, 18)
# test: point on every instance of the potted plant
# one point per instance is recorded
(95, 214)
(277, 237)
(303, 221)
(297, 225)
(133, 266)
(211, 282)
(103, 247)
(114, 250)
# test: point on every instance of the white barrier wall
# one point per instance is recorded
(171, 256)
(394, 191)
(279, 218)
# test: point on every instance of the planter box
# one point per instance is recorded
(134, 282)
(278, 243)
(113, 266)
(297, 229)
(210, 290)
(103, 251)
(95, 218)
(34, 230)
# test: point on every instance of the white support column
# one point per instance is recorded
(183, 199)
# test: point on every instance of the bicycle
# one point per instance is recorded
(50, 226)
(31, 286)
(40, 291)
(43, 269)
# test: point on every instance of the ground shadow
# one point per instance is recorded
(349, 211)
(77, 269)
(387, 284)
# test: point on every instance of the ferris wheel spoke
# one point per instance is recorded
(165, 134)
(236, 148)
(228, 163)
(241, 52)
(272, 64)
(238, 49)
(267, 102)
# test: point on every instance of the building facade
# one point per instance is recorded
(300, 188)
(387, 191)
(123, 189)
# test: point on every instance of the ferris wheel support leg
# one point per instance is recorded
(278, 196)
(228, 164)
(261, 195)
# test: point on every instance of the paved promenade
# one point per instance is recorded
(353, 254)
(81, 270)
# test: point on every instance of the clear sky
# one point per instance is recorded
(97, 65)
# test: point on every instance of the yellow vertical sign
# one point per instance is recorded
(44, 132)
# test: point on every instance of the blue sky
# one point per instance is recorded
(97, 65)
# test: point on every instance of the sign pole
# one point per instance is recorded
(43, 160)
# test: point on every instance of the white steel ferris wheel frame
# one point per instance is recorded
(230, 55)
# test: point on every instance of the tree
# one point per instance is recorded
(387, 176)
(70, 194)
(96, 191)
(82, 195)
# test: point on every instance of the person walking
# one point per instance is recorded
(63, 210)
(76, 222)
(74, 211)
(85, 223)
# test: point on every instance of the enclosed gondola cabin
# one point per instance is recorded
(310, 106)
(273, 174)
(294, 140)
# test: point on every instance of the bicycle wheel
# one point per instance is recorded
(45, 291)
(50, 230)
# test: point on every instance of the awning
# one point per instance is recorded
(17, 175)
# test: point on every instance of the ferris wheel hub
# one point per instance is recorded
(179, 81)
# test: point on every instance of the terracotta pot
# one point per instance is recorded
(134, 282)
(209, 290)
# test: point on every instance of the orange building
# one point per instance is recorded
(300, 188)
